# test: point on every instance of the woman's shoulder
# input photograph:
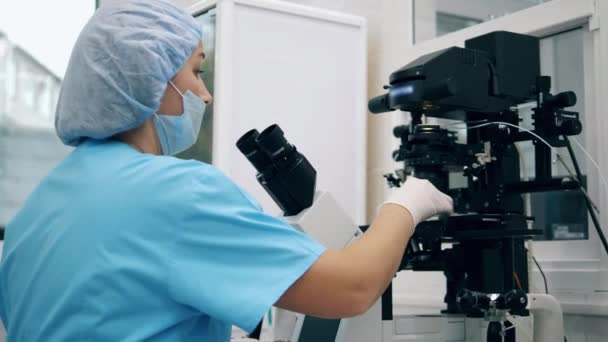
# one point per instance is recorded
(189, 169)
(200, 176)
(207, 181)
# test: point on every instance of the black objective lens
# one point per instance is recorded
(249, 147)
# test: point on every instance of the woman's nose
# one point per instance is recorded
(207, 98)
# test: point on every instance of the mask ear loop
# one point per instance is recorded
(177, 90)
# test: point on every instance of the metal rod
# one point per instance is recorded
(579, 175)
(554, 184)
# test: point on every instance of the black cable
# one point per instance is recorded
(579, 175)
(541, 273)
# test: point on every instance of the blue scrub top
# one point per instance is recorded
(117, 245)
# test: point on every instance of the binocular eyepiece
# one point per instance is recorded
(266, 148)
(285, 173)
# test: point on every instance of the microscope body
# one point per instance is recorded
(290, 180)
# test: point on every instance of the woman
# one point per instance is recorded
(122, 242)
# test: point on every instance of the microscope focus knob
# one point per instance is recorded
(401, 131)
(516, 300)
(471, 300)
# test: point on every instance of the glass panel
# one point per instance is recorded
(446, 23)
(434, 18)
(32, 64)
(203, 147)
(563, 215)
(562, 59)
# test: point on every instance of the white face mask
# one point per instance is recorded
(177, 133)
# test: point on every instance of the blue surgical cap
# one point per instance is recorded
(120, 66)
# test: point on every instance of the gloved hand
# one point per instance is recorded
(421, 199)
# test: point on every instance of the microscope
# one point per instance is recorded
(481, 85)
(290, 179)
(486, 263)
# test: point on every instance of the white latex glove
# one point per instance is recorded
(421, 199)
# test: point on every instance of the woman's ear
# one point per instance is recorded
(170, 102)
